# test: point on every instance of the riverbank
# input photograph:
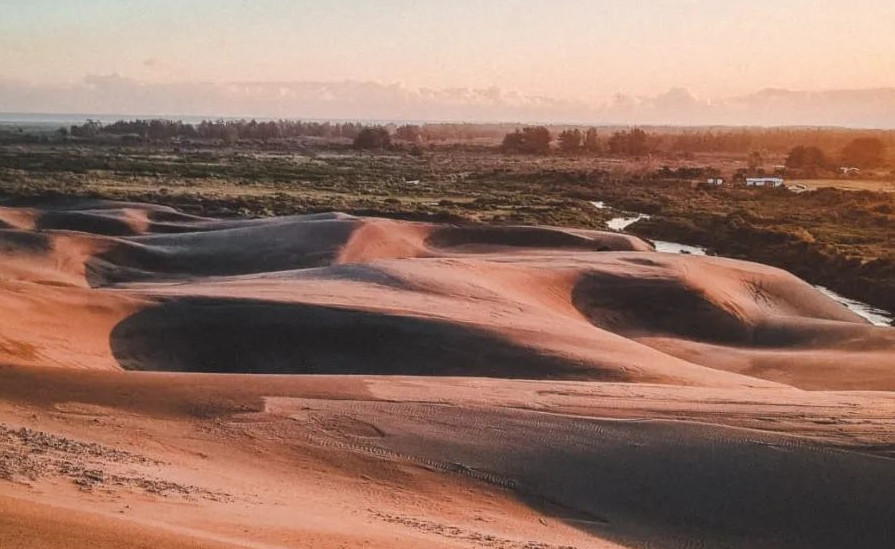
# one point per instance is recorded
(635, 222)
(841, 240)
(870, 282)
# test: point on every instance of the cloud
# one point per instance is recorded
(115, 94)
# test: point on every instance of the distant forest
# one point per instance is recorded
(513, 137)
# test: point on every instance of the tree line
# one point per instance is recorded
(225, 130)
(810, 148)
(537, 140)
(861, 152)
(853, 147)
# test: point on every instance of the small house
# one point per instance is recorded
(764, 181)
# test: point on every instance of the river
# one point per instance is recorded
(875, 316)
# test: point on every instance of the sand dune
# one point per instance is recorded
(351, 461)
(534, 349)
(332, 293)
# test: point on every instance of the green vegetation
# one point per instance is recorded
(528, 140)
(841, 239)
(450, 185)
(807, 158)
(864, 152)
(850, 147)
(373, 138)
(633, 142)
(844, 240)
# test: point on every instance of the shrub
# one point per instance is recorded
(373, 138)
(528, 140)
(864, 152)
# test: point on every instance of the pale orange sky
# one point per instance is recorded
(578, 50)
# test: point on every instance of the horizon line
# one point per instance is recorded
(399, 121)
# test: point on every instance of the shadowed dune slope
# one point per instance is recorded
(327, 462)
(533, 237)
(686, 485)
(333, 293)
(262, 246)
(461, 387)
(244, 336)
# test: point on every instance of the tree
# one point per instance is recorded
(528, 140)
(591, 141)
(409, 132)
(570, 141)
(373, 138)
(91, 128)
(634, 142)
(230, 134)
(864, 152)
(638, 142)
(755, 161)
(806, 158)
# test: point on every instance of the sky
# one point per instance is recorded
(558, 58)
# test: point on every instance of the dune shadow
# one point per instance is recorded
(677, 486)
(245, 248)
(633, 305)
(516, 236)
(252, 336)
(87, 222)
(669, 485)
(14, 241)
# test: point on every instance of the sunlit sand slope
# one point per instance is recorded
(328, 381)
(113, 285)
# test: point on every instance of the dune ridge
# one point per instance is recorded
(334, 293)
(424, 385)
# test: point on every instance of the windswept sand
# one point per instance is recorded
(504, 387)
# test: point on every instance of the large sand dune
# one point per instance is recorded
(579, 334)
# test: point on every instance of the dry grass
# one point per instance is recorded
(847, 184)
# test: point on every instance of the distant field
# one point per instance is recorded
(847, 184)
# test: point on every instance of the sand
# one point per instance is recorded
(423, 385)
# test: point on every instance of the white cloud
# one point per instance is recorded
(114, 94)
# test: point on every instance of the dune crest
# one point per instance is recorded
(334, 293)
(462, 387)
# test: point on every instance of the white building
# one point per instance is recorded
(764, 181)
(714, 181)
